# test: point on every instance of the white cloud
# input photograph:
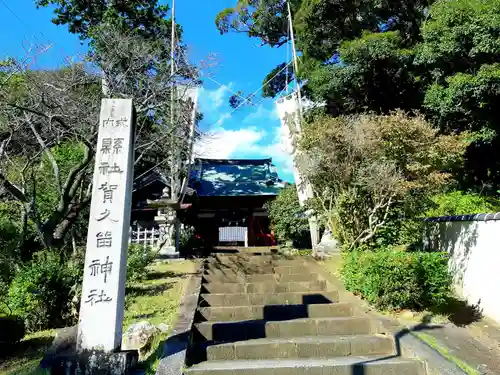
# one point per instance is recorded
(260, 135)
(278, 151)
(246, 143)
(213, 99)
(224, 143)
(260, 114)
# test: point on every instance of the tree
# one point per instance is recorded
(371, 170)
(131, 44)
(287, 218)
(436, 58)
(140, 69)
(163, 88)
(146, 17)
(320, 26)
(61, 111)
(372, 64)
(457, 60)
(50, 108)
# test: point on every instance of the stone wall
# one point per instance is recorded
(473, 243)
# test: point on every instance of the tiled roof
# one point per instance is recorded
(235, 177)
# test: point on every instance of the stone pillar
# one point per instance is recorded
(103, 292)
(166, 219)
(99, 333)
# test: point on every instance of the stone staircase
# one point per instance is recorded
(266, 315)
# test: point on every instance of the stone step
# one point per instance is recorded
(240, 278)
(251, 258)
(253, 270)
(275, 312)
(362, 365)
(256, 261)
(265, 287)
(258, 329)
(254, 265)
(265, 277)
(303, 347)
(244, 299)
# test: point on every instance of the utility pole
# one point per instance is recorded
(295, 62)
(173, 171)
(172, 45)
(174, 167)
(104, 81)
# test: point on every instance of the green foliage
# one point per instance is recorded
(462, 203)
(460, 36)
(265, 19)
(439, 58)
(466, 101)
(67, 156)
(304, 252)
(138, 259)
(40, 293)
(373, 172)
(45, 190)
(373, 63)
(81, 15)
(189, 241)
(46, 291)
(398, 280)
(287, 217)
(320, 26)
(10, 238)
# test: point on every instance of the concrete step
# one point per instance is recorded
(265, 287)
(254, 262)
(275, 312)
(259, 329)
(303, 347)
(256, 259)
(359, 365)
(239, 278)
(243, 299)
(264, 277)
(253, 270)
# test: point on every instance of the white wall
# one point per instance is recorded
(474, 249)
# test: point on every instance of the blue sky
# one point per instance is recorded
(252, 131)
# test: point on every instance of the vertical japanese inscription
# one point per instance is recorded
(103, 290)
(108, 147)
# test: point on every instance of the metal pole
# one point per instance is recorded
(172, 38)
(104, 81)
(173, 180)
(295, 62)
(175, 157)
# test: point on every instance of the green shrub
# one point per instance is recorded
(398, 280)
(40, 293)
(287, 217)
(9, 243)
(138, 259)
(188, 240)
(305, 252)
(461, 203)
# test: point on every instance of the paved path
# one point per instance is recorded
(266, 315)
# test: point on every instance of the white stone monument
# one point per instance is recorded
(103, 291)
